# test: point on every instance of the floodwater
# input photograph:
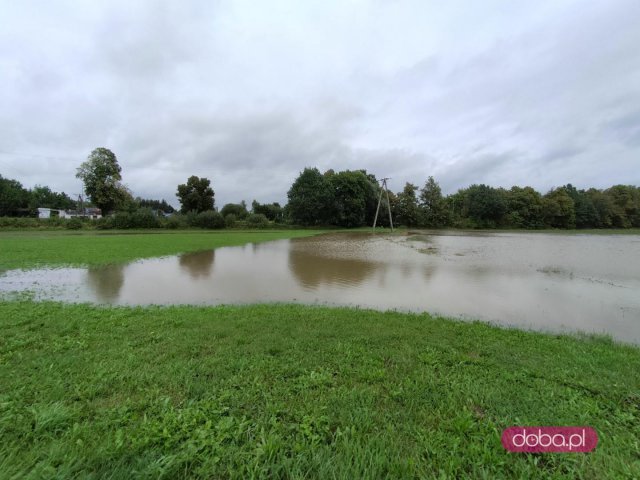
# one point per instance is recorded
(552, 282)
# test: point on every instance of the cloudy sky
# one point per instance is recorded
(248, 93)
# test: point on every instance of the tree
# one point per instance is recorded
(14, 198)
(432, 206)
(273, 211)
(237, 209)
(524, 207)
(457, 206)
(585, 210)
(155, 205)
(44, 197)
(195, 195)
(310, 198)
(351, 191)
(626, 205)
(559, 209)
(486, 205)
(605, 209)
(408, 211)
(101, 177)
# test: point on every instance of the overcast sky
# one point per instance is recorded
(248, 93)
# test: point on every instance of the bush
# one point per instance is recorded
(19, 222)
(257, 220)
(176, 221)
(74, 224)
(144, 218)
(104, 223)
(237, 209)
(230, 220)
(141, 218)
(192, 218)
(209, 219)
(121, 220)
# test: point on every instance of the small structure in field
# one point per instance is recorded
(93, 213)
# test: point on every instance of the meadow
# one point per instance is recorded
(289, 391)
(32, 249)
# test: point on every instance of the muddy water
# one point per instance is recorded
(550, 282)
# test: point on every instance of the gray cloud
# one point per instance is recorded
(626, 128)
(248, 94)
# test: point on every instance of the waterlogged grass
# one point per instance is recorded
(54, 248)
(300, 392)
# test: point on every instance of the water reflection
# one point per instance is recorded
(558, 282)
(313, 270)
(106, 282)
(199, 264)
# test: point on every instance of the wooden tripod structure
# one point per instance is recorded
(386, 190)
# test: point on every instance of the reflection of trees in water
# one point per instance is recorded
(198, 264)
(428, 272)
(106, 281)
(312, 269)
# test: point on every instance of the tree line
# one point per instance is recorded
(349, 199)
(345, 199)
(18, 201)
(15, 200)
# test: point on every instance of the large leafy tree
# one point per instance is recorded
(434, 210)
(311, 198)
(604, 206)
(157, 205)
(559, 209)
(13, 197)
(486, 205)
(42, 196)
(100, 174)
(237, 209)
(196, 195)
(273, 211)
(626, 205)
(407, 208)
(352, 191)
(586, 213)
(524, 208)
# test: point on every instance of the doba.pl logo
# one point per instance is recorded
(549, 439)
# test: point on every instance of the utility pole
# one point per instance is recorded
(386, 190)
(80, 205)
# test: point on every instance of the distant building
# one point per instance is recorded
(93, 213)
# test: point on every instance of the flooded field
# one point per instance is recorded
(540, 281)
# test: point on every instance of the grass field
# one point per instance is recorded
(26, 249)
(288, 391)
(300, 392)
(29, 249)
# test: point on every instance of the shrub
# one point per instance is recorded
(121, 220)
(104, 223)
(19, 222)
(230, 220)
(257, 220)
(192, 218)
(177, 220)
(52, 222)
(209, 219)
(73, 224)
(237, 209)
(144, 218)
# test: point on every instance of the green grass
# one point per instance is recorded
(300, 392)
(288, 391)
(27, 249)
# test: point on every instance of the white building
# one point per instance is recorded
(93, 213)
